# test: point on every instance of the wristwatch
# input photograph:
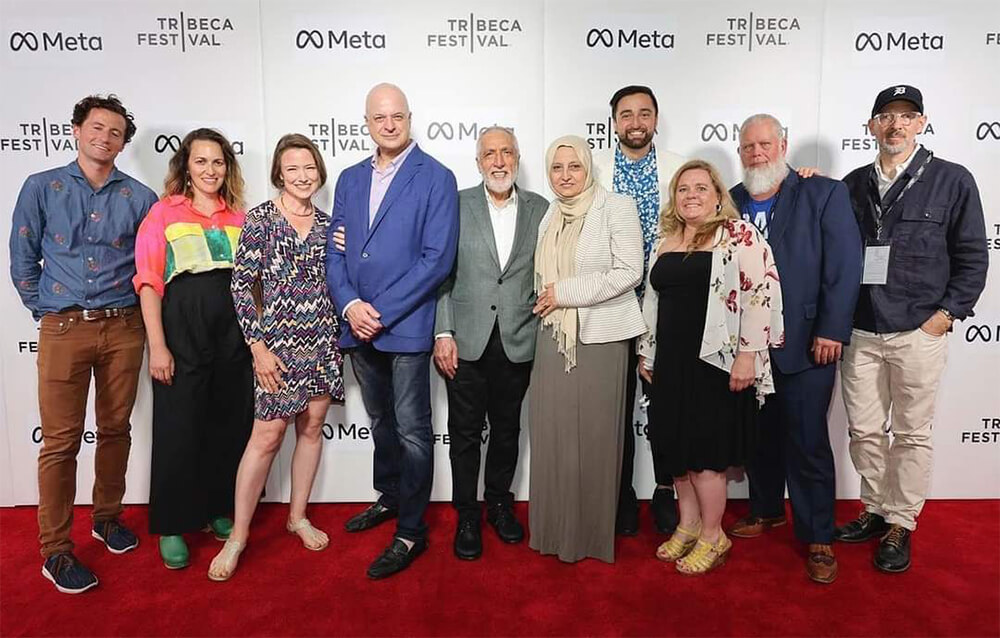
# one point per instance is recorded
(947, 313)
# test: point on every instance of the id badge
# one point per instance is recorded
(876, 270)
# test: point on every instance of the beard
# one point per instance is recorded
(499, 185)
(639, 143)
(760, 179)
(892, 149)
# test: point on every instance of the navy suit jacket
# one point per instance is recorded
(399, 262)
(817, 248)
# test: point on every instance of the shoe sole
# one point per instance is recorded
(890, 571)
(112, 549)
(169, 566)
(722, 561)
(823, 581)
(67, 590)
(470, 557)
(865, 539)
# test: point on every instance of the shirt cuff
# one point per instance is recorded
(445, 335)
(348, 305)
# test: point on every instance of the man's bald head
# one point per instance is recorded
(387, 114)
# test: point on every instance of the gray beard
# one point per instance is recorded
(761, 180)
(892, 149)
(499, 185)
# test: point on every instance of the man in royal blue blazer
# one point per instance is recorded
(403, 205)
(810, 226)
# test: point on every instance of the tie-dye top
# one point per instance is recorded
(174, 238)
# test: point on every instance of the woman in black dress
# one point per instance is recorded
(713, 309)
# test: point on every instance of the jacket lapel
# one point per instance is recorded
(784, 208)
(481, 215)
(521, 228)
(409, 169)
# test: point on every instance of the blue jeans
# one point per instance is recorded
(396, 391)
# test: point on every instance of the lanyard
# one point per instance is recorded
(879, 212)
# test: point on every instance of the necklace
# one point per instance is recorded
(281, 199)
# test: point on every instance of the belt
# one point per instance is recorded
(94, 314)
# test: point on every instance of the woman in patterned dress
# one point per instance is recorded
(293, 334)
(713, 309)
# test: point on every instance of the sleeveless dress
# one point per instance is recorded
(697, 422)
(297, 320)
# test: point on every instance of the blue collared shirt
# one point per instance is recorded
(639, 180)
(73, 246)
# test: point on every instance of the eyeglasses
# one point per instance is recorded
(887, 119)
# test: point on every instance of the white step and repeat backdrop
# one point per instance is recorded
(259, 69)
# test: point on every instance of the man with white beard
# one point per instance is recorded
(485, 338)
(812, 232)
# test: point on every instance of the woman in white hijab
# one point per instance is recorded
(587, 265)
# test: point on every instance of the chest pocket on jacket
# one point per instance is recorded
(921, 231)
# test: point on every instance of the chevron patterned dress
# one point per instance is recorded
(296, 320)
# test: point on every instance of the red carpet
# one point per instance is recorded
(281, 589)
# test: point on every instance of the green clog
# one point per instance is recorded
(174, 552)
(220, 527)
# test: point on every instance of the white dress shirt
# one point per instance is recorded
(503, 216)
(885, 182)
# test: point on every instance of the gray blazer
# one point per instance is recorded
(480, 291)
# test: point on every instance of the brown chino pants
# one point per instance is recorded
(69, 350)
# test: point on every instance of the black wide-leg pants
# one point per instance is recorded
(202, 421)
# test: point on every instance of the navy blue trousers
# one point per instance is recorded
(794, 447)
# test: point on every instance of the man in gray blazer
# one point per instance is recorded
(485, 337)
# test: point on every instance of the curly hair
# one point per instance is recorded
(177, 182)
(110, 103)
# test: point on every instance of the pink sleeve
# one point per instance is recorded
(151, 251)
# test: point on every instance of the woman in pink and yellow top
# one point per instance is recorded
(201, 368)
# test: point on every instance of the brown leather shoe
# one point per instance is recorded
(821, 564)
(754, 526)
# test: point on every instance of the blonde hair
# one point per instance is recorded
(671, 222)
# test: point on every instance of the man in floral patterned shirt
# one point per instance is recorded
(636, 167)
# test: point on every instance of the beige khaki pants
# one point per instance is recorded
(890, 383)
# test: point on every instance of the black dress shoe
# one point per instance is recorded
(893, 553)
(374, 515)
(627, 520)
(664, 508)
(864, 527)
(501, 517)
(395, 558)
(468, 539)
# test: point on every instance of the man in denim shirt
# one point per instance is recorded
(72, 262)
(925, 267)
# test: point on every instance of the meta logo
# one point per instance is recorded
(316, 39)
(901, 41)
(356, 433)
(720, 132)
(988, 130)
(44, 137)
(867, 142)
(989, 433)
(186, 32)
(58, 41)
(166, 143)
(474, 32)
(982, 333)
(454, 130)
(635, 39)
(342, 137)
(600, 135)
(750, 31)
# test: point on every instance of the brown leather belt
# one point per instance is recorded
(94, 314)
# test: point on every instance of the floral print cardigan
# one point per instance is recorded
(744, 305)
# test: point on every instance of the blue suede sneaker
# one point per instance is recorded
(118, 538)
(68, 574)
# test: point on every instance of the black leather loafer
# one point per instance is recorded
(395, 558)
(375, 514)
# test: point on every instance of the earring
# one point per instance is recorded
(718, 208)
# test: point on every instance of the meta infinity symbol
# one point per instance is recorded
(978, 333)
(600, 36)
(988, 129)
(714, 131)
(441, 129)
(305, 38)
(871, 41)
(19, 40)
(167, 142)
